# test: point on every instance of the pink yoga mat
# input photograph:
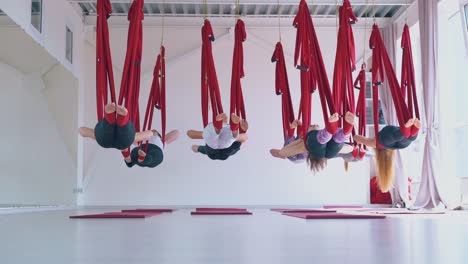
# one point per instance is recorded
(333, 216)
(111, 215)
(303, 210)
(149, 210)
(407, 212)
(341, 206)
(221, 212)
(221, 209)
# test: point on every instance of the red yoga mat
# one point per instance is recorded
(333, 216)
(341, 206)
(114, 215)
(303, 210)
(221, 212)
(148, 210)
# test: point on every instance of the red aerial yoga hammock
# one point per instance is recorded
(209, 80)
(157, 97)
(361, 111)
(104, 72)
(345, 64)
(130, 85)
(313, 73)
(282, 88)
(237, 98)
(381, 65)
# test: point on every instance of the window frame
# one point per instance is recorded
(41, 15)
(67, 30)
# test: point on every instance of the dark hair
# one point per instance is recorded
(316, 164)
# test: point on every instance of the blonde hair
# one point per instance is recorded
(316, 164)
(385, 168)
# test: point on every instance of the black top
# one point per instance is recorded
(220, 154)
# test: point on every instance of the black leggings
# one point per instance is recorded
(319, 151)
(390, 137)
(154, 156)
(114, 136)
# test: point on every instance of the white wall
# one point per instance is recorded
(251, 177)
(61, 92)
(35, 166)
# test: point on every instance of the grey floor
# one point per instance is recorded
(265, 237)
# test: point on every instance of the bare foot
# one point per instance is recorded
(128, 159)
(109, 108)
(417, 123)
(222, 117)
(334, 118)
(276, 153)
(244, 125)
(296, 123)
(349, 118)
(195, 148)
(141, 155)
(235, 118)
(410, 123)
(121, 110)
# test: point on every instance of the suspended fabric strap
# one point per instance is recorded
(361, 84)
(104, 71)
(345, 64)
(237, 99)
(282, 88)
(308, 59)
(381, 67)
(157, 96)
(408, 80)
(130, 85)
(209, 80)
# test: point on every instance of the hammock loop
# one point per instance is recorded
(205, 9)
(365, 32)
(279, 21)
(163, 13)
(374, 10)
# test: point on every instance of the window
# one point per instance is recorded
(36, 14)
(453, 79)
(69, 45)
(465, 8)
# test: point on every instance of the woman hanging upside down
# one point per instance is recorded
(152, 155)
(320, 145)
(115, 130)
(222, 143)
(390, 139)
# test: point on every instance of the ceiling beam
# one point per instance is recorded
(258, 2)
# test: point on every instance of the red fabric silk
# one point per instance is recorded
(237, 99)
(209, 80)
(104, 71)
